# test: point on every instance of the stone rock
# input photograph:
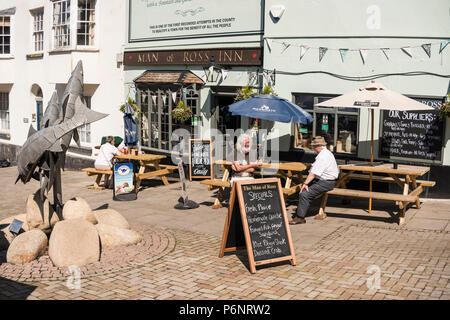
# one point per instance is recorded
(113, 236)
(78, 208)
(6, 237)
(74, 242)
(40, 215)
(26, 247)
(112, 218)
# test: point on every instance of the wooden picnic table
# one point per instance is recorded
(404, 176)
(147, 161)
(291, 171)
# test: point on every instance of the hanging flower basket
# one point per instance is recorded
(133, 105)
(444, 110)
(182, 112)
(247, 92)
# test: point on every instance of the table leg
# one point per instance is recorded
(217, 203)
(414, 187)
(163, 177)
(141, 171)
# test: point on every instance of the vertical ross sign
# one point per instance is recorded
(200, 159)
(264, 223)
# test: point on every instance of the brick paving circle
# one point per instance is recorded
(156, 243)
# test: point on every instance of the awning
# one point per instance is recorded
(169, 77)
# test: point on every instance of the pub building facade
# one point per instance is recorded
(308, 52)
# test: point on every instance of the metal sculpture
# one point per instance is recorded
(43, 154)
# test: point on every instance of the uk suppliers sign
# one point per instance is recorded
(151, 20)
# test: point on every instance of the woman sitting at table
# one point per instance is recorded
(242, 168)
(105, 156)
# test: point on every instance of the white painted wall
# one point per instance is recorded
(101, 70)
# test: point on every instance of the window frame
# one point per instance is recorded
(34, 32)
(4, 131)
(11, 38)
(328, 110)
(73, 29)
(94, 23)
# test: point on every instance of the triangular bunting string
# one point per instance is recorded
(174, 96)
(385, 51)
(343, 53)
(363, 53)
(269, 44)
(154, 98)
(285, 47)
(427, 48)
(303, 49)
(322, 51)
(224, 74)
(407, 50)
(443, 45)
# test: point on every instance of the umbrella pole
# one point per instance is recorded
(371, 158)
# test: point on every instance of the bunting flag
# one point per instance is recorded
(385, 51)
(154, 98)
(443, 45)
(174, 96)
(238, 75)
(363, 53)
(427, 48)
(303, 49)
(322, 51)
(224, 74)
(285, 46)
(204, 78)
(269, 44)
(164, 99)
(407, 50)
(343, 53)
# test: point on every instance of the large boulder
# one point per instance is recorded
(40, 214)
(78, 208)
(112, 218)
(74, 242)
(26, 247)
(6, 237)
(113, 236)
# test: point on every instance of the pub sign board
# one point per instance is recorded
(199, 57)
(413, 134)
(200, 159)
(257, 220)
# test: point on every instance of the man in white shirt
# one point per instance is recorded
(105, 156)
(321, 178)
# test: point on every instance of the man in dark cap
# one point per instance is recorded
(321, 178)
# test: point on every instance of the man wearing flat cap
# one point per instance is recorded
(321, 178)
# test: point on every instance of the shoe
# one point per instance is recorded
(297, 220)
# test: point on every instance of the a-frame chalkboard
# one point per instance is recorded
(200, 159)
(262, 226)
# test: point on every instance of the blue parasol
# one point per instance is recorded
(130, 128)
(270, 107)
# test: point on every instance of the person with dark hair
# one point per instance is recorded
(105, 156)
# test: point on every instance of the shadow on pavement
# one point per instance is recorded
(13, 290)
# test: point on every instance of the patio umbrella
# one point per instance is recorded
(130, 129)
(270, 107)
(374, 96)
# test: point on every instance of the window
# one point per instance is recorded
(61, 24)
(156, 122)
(86, 22)
(5, 35)
(338, 126)
(38, 30)
(4, 112)
(85, 131)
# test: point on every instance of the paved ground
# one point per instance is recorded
(336, 258)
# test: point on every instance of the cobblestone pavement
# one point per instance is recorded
(336, 258)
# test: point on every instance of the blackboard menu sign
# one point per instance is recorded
(263, 225)
(413, 134)
(200, 159)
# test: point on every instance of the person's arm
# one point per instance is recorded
(309, 178)
(245, 168)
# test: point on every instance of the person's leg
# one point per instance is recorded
(306, 197)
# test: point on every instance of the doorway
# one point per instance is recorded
(223, 117)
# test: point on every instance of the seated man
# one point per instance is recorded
(105, 156)
(321, 178)
(242, 168)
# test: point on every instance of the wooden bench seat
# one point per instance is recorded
(373, 195)
(216, 183)
(366, 177)
(99, 174)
